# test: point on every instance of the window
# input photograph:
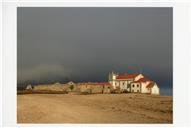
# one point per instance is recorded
(137, 85)
(133, 85)
(137, 90)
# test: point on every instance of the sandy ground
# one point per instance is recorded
(97, 108)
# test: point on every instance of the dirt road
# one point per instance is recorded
(97, 108)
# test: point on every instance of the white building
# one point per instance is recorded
(133, 83)
(71, 83)
(29, 87)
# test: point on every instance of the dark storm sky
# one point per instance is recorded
(85, 44)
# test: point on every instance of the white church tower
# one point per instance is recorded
(112, 79)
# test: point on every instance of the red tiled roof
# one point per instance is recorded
(150, 85)
(129, 76)
(142, 80)
(96, 83)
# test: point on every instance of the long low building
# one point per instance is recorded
(95, 87)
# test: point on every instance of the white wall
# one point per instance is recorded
(123, 85)
(155, 89)
(113, 76)
(113, 84)
(144, 88)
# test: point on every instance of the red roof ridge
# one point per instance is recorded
(96, 83)
(150, 85)
(99, 83)
(143, 79)
(127, 76)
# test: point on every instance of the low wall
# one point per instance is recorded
(51, 87)
(79, 88)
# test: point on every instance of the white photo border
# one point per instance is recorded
(181, 99)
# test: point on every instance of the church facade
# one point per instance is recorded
(133, 83)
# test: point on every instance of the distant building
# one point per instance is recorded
(95, 87)
(29, 87)
(71, 83)
(133, 83)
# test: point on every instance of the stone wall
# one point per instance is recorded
(79, 88)
(93, 89)
(51, 87)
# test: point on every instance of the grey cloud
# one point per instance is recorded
(87, 43)
(42, 72)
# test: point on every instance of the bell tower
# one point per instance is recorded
(112, 78)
